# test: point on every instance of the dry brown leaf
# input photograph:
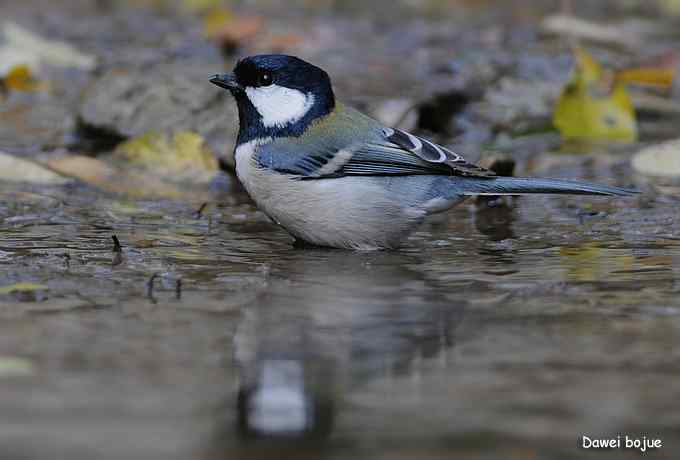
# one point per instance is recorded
(235, 30)
(87, 169)
(130, 181)
(13, 169)
(20, 78)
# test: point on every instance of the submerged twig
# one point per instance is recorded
(117, 251)
(150, 287)
(178, 288)
(198, 214)
(116, 244)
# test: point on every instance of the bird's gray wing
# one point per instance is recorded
(304, 160)
(397, 152)
(386, 152)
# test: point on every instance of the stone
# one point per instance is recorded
(169, 97)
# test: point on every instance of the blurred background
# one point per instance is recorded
(480, 75)
(148, 310)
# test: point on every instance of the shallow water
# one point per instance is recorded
(504, 332)
(508, 331)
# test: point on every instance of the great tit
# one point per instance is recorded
(332, 176)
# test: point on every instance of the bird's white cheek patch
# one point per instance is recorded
(279, 106)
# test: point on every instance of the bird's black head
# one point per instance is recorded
(277, 95)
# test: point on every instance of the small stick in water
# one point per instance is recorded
(117, 251)
(178, 289)
(149, 288)
(116, 244)
(198, 214)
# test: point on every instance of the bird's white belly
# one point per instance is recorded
(350, 212)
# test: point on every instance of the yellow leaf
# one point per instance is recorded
(216, 20)
(648, 76)
(20, 78)
(590, 262)
(671, 6)
(592, 107)
(589, 70)
(167, 165)
(22, 287)
(180, 152)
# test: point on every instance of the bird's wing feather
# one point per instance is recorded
(371, 159)
(393, 154)
(287, 156)
(399, 146)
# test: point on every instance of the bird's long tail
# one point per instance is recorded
(529, 185)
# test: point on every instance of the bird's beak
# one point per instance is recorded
(226, 81)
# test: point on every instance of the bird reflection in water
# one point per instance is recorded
(280, 403)
(330, 322)
(494, 215)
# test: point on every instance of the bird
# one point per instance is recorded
(334, 177)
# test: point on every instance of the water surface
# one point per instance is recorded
(508, 331)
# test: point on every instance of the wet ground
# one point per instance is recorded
(459, 343)
(504, 331)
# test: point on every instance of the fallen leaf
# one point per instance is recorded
(20, 78)
(111, 178)
(36, 306)
(590, 262)
(231, 31)
(141, 180)
(594, 105)
(13, 169)
(587, 67)
(651, 76)
(87, 169)
(12, 366)
(22, 287)
(180, 153)
(661, 160)
(670, 6)
(215, 20)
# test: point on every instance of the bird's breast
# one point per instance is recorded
(341, 212)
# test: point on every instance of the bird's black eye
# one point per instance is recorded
(265, 79)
